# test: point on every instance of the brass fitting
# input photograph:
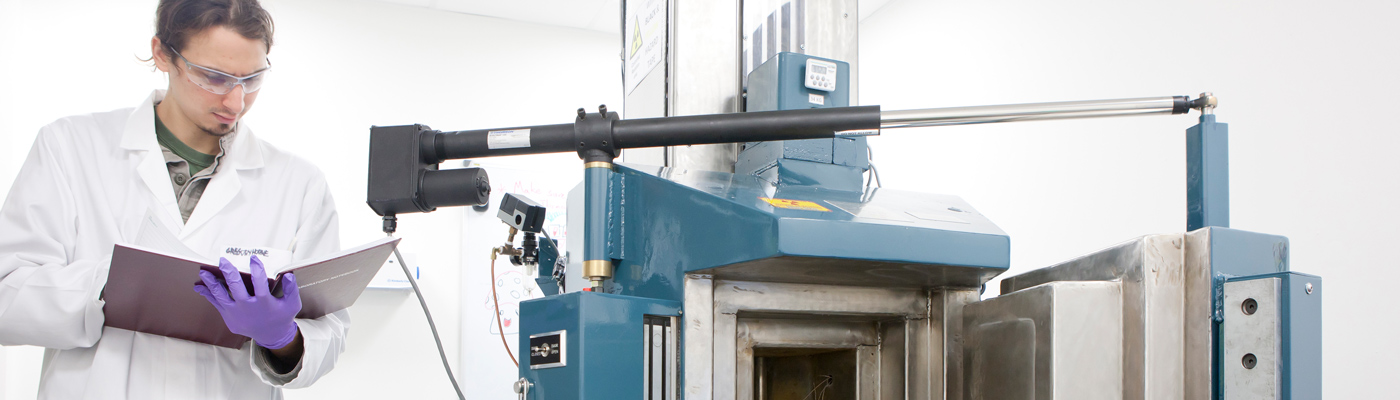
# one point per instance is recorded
(597, 270)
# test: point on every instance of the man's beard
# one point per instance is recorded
(219, 130)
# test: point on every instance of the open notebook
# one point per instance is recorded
(152, 291)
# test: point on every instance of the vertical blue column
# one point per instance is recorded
(1207, 174)
(597, 265)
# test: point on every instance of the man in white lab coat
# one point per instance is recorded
(182, 162)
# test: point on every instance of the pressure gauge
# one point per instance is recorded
(821, 75)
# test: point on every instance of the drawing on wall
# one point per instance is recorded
(510, 291)
(481, 230)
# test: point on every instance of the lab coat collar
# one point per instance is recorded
(241, 149)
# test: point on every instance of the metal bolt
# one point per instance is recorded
(603, 109)
(1308, 287)
(581, 113)
(1249, 361)
(1208, 103)
(802, 46)
(1250, 306)
(845, 15)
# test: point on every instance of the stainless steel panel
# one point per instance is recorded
(945, 338)
(1086, 365)
(704, 47)
(1251, 333)
(744, 363)
(893, 354)
(918, 356)
(1162, 313)
(731, 296)
(868, 372)
(1058, 340)
(1000, 364)
(699, 337)
(832, 31)
(1152, 271)
(726, 356)
(1196, 311)
(806, 333)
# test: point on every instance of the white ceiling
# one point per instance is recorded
(595, 15)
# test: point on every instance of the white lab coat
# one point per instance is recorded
(87, 184)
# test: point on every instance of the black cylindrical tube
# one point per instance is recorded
(455, 187)
(1180, 105)
(812, 123)
(501, 142)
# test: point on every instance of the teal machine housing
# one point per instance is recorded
(799, 211)
(794, 211)
(836, 163)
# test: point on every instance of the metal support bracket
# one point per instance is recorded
(1207, 174)
(1271, 337)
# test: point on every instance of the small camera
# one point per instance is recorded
(521, 213)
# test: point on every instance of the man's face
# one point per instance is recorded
(220, 49)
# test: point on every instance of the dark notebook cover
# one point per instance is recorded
(152, 292)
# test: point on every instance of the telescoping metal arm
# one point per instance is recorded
(607, 133)
(403, 159)
(1040, 111)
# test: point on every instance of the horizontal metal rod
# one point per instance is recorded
(1033, 112)
(799, 124)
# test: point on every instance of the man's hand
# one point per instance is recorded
(266, 319)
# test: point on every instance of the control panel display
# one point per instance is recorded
(821, 75)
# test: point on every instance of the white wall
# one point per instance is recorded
(60, 58)
(1307, 87)
(339, 67)
(1301, 83)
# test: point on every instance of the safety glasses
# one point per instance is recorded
(220, 83)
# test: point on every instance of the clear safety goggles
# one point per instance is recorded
(218, 82)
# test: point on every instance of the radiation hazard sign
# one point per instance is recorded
(645, 35)
(795, 204)
(636, 37)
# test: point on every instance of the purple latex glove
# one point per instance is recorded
(261, 316)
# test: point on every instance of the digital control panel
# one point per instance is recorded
(821, 75)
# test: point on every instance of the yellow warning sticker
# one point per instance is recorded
(636, 36)
(795, 204)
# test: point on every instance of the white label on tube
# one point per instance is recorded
(508, 139)
(858, 132)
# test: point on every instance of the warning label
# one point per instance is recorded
(795, 204)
